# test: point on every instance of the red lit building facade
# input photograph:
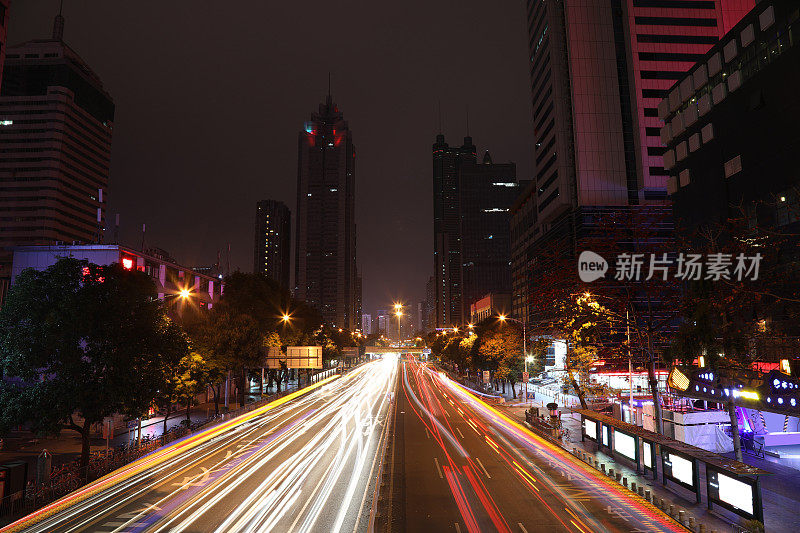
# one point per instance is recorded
(666, 39)
(598, 71)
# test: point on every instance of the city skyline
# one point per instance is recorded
(163, 80)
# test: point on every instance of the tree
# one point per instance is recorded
(82, 342)
(498, 348)
(193, 378)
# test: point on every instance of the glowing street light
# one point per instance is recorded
(286, 318)
(184, 293)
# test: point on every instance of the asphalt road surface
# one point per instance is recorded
(469, 468)
(304, 465)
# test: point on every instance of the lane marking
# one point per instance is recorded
(482, 467)
(459, 432)
(458, 528)
(427, 433)
(522, 527)
(438, 468)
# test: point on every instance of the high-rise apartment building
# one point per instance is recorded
(271, 250)
(447, 228)
(56, 124)
(325, 251)
(598, 71)
(366, 324)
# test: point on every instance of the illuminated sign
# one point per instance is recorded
(296, 357)
(590, 428)
(127, 263)
(606, 435)
(732, 493)
(678, 380)
(679, 469)
(647, 448)
(785, 368)
(625, 444)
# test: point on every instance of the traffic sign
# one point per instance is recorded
(486, 376)
(525, 376)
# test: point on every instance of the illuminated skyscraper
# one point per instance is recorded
(325, 260)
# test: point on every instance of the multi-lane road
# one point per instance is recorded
(467, 467)
(310, 462)
(302, 464)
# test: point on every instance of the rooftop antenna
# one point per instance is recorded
(329, 88)
(58, 24)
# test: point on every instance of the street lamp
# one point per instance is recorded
(398, 310)
(525, 357)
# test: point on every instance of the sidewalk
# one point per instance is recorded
(780, 491)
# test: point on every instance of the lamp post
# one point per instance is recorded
(503, 318)
(398, 310)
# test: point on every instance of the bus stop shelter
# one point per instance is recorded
(729, 483)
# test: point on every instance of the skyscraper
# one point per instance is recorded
(446, 228)
(366, 324)
(471, 201)
(598, 71)
(486, 192)
(56, 124)
(325, 260)
(3, 33)
(271, 251)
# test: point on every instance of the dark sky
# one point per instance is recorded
(210, 97)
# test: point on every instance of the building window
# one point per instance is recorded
(733, 166)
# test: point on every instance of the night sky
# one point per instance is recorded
(210, 97)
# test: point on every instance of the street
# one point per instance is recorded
(469, 468)
(299, 464)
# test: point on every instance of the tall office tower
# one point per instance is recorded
(598, 70)
(486, 192)
(3, 33)
(271, 251)
(383, 321)
(366, 324)
(358, 296)
(446, 228)
(430, 304)
(56, 124)
(325, 260)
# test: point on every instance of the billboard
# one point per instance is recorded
(679, 469)
(647, 452)
(590, 429)
(735, 494)
(298, 357)
(625, 445)
(350, 352)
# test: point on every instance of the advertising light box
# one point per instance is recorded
(679, 469)
(625, 445)
(732, 493)
(647, 452)
(590, 428)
